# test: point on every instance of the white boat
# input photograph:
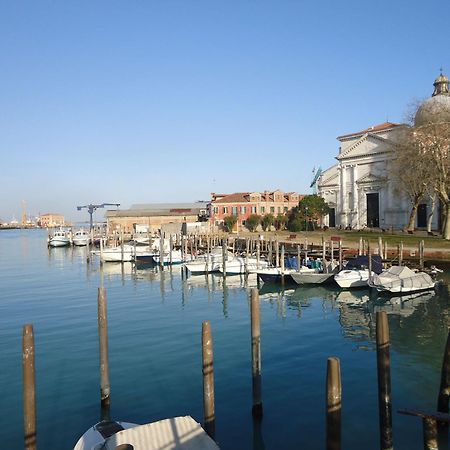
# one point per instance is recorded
(240, 265)
(176, 257)
(60, 238)
(178, 433)
(400, 279)
(352, 278)
(81, 237)
(207, 263)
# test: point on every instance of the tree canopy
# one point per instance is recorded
(252, 222)
(229, 222)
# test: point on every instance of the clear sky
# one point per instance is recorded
(167, 101)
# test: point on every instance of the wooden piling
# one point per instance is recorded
(400, 254)
(360, 248)
(269, 252)
(422, 254)
(340, 253)
(324, 251)
(334, 404)
(444, 389)
(370, 266)
(170, 249)
(257, 409)
(258, 254)
(208, 380)
(29, 388)
(332, 251)
(282, 268)
(224, 257)
(384, 381)
(277, 253)
(247, 251)
(103, 340)
(385, 250)
(430, 433)
(380, 247)
(299, 258)
(121, 245)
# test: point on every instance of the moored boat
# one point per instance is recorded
(81, 238)
(60, 238)
(275, 274)
(175, 433)
(240, 265)
(401, 279)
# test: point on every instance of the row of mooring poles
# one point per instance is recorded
(333, 382)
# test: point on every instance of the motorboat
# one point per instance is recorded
(81, 238)
(315, 275)
(356, 272)
(401, 279)
(174, 257)
(176, 433)
(60, 238)
(352, 278)
(241, 264)
(207, 263)
(276, 274)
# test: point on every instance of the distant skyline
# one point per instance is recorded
(146, 102)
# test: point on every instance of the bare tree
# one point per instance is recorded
(433, 141)
(410, 173)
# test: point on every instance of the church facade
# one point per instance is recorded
(358, 188)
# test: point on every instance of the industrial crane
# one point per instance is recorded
(91, 208)
(316, 174)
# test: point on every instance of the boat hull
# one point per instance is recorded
(352, 278)
(59, 242)
(312, 278)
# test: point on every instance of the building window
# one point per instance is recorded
(243, 209)
(263, 209)
(234, 211)
(216, 210)
(272, 209)
(253, 209)
(225, 209)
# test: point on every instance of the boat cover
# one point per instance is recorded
(178, 433)
(362, 262)
(403, 278)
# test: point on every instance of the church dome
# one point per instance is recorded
(437, 108)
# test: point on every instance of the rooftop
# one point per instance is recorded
(373, 129)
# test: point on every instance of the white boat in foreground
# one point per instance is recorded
(207, 263)
(178, 433)
(81, 238)
(400, 279)
(60, 238)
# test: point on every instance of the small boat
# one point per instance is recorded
(240, 265)
(356, 272)
(275, 274)
(59, 238)
(176, 258)
(207, 263)
(352, 278)
(81, 237)
(401, 279)
(316, 275)
(178, 433)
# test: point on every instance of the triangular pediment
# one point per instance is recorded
(367, 145)
(329, 177)
(370, 178)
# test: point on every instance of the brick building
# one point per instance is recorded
(51, 220)
(243, 204)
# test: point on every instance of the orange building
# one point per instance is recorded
(243, 204)
(51, 220)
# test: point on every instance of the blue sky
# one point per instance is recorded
(168, 101)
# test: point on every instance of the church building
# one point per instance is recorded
(359, 189)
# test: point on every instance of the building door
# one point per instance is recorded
(332, 218)
(422, 216)
(373, 210)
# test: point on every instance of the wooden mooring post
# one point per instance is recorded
(334, 404)
(209, 422)
(444, 389)
(340, 254)
(29, 388)
(103, 340)
(421, 254)
(224, 256)
(400, 253)
(384, 381)
(257, 408)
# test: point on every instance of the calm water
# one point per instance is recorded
(155, 352)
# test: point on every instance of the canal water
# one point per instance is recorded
(155, 351)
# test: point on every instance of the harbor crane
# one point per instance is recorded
(316, 175)
(91, 208)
